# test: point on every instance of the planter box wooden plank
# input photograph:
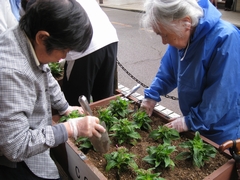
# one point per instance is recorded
(226, 171)
(80, 167)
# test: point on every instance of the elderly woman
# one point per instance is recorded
(202, 61)
(48, 30)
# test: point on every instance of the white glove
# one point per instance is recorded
(72, 108)
(87, 126)
(148, 105)
(178, 123)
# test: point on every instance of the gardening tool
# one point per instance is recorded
(100, 144)
(133, 90)
(234, 148)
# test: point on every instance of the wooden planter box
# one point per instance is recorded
(76, 163)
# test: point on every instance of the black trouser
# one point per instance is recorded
(228, 4)
(92, 75)
(21, 172)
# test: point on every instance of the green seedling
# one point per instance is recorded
(106, 116)
(56, 69)
(121, 160)
(83, 143)
(164, 133)
(160, 155)
(119, 107)
(73, 114)
(143, 174)
(142, 120)
(199, 152)
(125, 131)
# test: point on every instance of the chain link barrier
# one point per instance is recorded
(138, 81)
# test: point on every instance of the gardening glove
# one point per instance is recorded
(178, 123)
(87, 126)
(70, 109)
(148, 105)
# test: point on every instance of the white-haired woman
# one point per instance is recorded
(202, 61)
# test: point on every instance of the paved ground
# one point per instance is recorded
(137, 5)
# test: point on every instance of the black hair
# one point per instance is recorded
(66, 22)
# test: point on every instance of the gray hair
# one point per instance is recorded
(169, 13)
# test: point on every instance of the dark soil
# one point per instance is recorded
(183, 170)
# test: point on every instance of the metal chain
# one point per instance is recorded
(142, 84)
(128, 73)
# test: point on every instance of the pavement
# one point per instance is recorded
(137, 5)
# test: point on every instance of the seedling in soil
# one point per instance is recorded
(143, 174)
(199, 152)
(73, 114)
(125, 131)
(142, 120)
(121, 160)
(160, 155)
(83, 143)
(106, 116)
(164, 133)
(119, 107)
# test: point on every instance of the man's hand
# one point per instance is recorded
(178, 123)
(148, 105)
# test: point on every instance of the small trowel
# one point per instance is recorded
(133, 90)
(100, 144)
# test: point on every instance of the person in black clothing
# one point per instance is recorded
(228, 5)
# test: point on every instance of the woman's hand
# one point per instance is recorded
(87, 126)
(148, 106)
(178, 123)
(72, 108)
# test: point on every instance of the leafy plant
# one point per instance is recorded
(199, 152)
(120, 159)
(143, 174)
(56, 69)
(160, 155)
(119, 107)
(165, 133)
(142, 120)
(73, 114)
(83, 143)
(106, 116)
(124, 131)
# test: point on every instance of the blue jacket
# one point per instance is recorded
(208, 79)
